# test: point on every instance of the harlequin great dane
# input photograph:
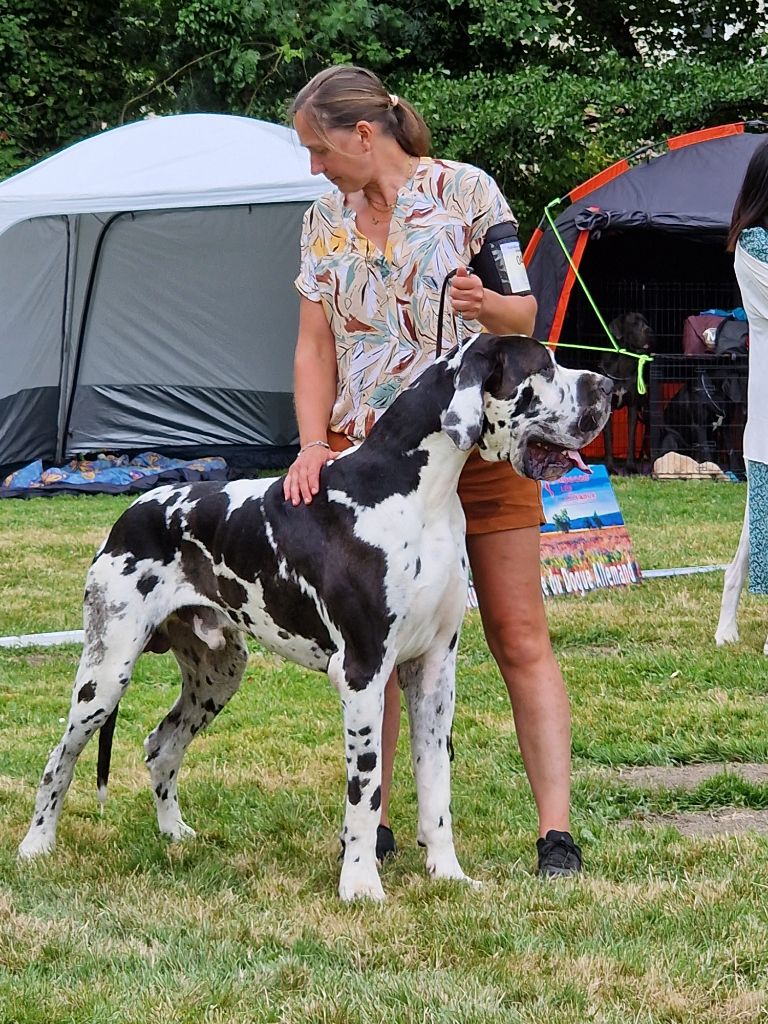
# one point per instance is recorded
(371, 574)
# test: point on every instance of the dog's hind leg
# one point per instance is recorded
(105, 669)
(429, 686)
(212, 661)
(735, 577)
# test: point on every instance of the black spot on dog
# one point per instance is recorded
(365, 730)
(353, 790)
(418, 568)
(366, 762)
(232, 593)
(86, 692)
(147, 584)
(142, 533)
(527, 404)
(376, 799)
(453, 642)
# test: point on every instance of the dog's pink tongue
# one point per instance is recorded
(575, 456)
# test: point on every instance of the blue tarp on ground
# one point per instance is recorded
(109, 474)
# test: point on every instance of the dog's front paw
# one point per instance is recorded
(357, 884)
(727, 634)
(177, 831)
(445, 864)
(35, 845)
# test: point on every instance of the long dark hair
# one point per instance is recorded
(751, 208)
(342, 95)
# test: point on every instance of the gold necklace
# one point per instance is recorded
(384, 209)
(387, 208)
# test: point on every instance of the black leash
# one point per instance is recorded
(441, 313)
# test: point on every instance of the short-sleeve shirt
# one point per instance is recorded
(382, 307)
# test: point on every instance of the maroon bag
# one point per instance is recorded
(693, 334)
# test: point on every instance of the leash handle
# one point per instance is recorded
(458, 317)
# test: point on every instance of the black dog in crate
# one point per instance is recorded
(633, 333)
(705, 419)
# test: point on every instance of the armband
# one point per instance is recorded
(499, 263)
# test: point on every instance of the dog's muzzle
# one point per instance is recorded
(545, 460)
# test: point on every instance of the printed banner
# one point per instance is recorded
(584, 542)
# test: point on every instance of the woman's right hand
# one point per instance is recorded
(302, 480)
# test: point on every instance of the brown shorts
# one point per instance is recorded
(494, 497)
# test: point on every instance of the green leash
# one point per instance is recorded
(641, 357)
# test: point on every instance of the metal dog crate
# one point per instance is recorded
(665, 304)
(698, 408)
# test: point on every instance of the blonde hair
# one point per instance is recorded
(342, 95)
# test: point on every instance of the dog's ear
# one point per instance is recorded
(616, 327)
(462, 421)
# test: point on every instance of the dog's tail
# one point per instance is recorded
(105, 756)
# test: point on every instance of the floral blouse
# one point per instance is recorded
(382, 306)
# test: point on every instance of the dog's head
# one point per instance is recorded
(633, 332)
(516, 404)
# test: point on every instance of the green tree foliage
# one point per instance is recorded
(541, 93)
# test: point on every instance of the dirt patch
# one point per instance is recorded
(728, 821)
(689, 776)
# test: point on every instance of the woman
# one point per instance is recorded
(748, 238)
(374, 255)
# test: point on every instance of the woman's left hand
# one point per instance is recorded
(466, 294)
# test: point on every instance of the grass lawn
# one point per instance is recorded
(243, 923)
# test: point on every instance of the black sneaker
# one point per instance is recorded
(385, 844)
(559, 856)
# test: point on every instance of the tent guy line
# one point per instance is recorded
(75, 636)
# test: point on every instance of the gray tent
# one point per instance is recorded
(146, 289)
